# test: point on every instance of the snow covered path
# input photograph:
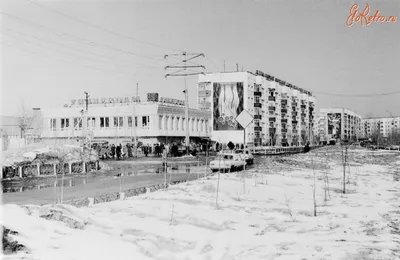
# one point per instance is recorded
(270, 217)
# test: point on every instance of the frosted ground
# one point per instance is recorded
(270, 217)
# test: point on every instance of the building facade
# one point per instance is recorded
(283, 114)
(339, 123)
(382, 125)
(122, 119)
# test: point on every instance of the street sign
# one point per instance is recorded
(244, 118)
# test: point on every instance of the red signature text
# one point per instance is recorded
(356, 16)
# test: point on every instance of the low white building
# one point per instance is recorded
(121, 119)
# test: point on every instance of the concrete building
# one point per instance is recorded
(339, 123)
(121, 119)
(284, 114)
(384, 125)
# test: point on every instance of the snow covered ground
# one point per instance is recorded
(269, 216)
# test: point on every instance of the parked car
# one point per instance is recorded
(228, 161)
(249, 157)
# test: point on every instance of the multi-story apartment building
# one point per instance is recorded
(382, 125)
(120, 119)
(283, 114)
(339, 123)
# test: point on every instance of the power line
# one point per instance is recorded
(76, 49)
(30, 23)
(99, 27)
(67, 62)
(357, 95)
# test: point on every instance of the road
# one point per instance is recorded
(48, 195)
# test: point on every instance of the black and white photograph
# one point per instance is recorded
(200, 129)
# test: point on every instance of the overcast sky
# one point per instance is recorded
(49, 58)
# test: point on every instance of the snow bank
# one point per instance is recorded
(269, 216)
(66, 153)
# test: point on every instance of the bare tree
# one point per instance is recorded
(289, 209)
(314, 188)
(25, 121)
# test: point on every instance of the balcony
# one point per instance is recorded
(283, 120)
(271, 108)
(284, 110)
(257, 116)
(303, 106)
(258, 128)
(257, 105)
(272, 119)
(284, 130)
(257, 93)
(272, 130)
(271, 98)
(294, 122)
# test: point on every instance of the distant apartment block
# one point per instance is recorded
(283, 113)
(339, 123)
(382, 125)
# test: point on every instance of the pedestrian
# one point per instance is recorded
(113, 151)
(129, 146)
(118, 150)
(146, 150)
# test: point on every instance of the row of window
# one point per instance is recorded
(105, 122)
(179, 124)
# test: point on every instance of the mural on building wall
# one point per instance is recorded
(335, 125)
(228, 104)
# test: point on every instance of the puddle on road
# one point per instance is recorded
(18, 186)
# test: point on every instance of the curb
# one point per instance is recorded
(90, 201)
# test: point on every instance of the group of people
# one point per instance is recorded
(120, 151)
(107, 151)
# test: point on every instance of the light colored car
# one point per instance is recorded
(227, 162)
(249, 157)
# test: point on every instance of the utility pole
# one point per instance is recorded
(87, 100)
(134, 121)
(84, 118)
(184, 70)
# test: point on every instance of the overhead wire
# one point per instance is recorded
(77, 49)
(77, 38)
(64, 61)
(99, 27)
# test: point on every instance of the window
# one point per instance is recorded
(77, 123)
(53, 124)
(256, 99)
(165, 122)
(104, 122)
(183, 122)
(160, 122)
(118, 121)
(64, 124)
(201, 125)
(91, 122)
(145, 121)
(192, 124)
(129, 121)
(256, 122)
(176, 123)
